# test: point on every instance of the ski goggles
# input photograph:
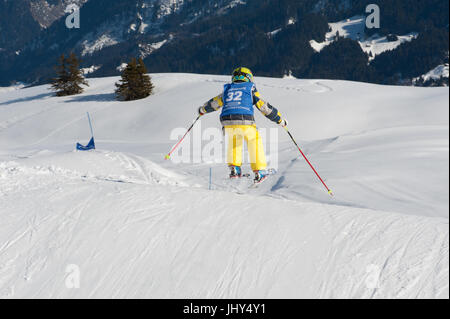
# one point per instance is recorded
(242, 78)
(242, 75)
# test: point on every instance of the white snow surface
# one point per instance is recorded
(231, 5)
(11, 88)
(89, 47)
(147, 49)
(353, 28)
(90, 69)
(435, 74)
(135, 225)
(122, 67)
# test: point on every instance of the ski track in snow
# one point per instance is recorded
(137, 226)
(306, 87)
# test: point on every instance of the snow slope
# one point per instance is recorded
(12, 87)
(138, 226)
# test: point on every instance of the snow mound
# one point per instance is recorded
(87, 166)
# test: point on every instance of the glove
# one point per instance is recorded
(201, 111)
(283, 123)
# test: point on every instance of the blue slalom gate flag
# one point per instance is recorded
(90, 146)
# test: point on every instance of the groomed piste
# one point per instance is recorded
(138, 226)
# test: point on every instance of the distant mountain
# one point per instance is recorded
(46, 12)
(310, 38)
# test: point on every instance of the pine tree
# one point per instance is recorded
(76, 78)
(69, 77)
(59, 84)
(135, 83)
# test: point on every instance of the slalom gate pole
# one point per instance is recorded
(175, 147)
(90, 124)
(304, 156)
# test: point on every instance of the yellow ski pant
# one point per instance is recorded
(236, 135)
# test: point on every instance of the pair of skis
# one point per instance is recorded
(255, 184)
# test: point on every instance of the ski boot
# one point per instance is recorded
(235, 172)
(260, 176)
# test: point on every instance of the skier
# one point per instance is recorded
(236, 102)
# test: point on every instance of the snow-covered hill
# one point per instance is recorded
(135, 225)
(439, 72)
(354, 28)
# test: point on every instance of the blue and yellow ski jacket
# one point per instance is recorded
(237, 102)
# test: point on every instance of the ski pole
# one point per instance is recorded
(90, 124)
(175, 147)
(301, 152)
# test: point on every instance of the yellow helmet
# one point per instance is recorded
(242, 75)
